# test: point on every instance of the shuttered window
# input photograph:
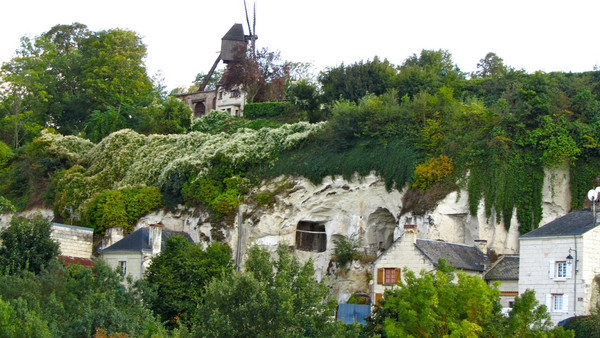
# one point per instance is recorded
(388, 276)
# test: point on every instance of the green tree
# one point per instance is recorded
(352, 82)
(75, 301)
(445, 303)
(279, 298)
(179, 274)
(428, 72)
(169, 116)
(26, 244)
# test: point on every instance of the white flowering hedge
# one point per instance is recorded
(72, 147)
(126, 158)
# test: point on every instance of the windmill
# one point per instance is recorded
(230, 42)
(252, 37)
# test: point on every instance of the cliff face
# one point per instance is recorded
(310, 217)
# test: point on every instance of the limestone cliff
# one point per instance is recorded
(361, 207)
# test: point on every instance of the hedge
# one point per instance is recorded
(267, 109)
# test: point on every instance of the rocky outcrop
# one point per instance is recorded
(309, 217)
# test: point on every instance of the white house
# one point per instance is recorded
(560, 261)
(422, 254)
(133, 253)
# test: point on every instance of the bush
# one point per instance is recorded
(584, 326)
(120, 208)
(432, 171)
(346, 249)
(266, 109)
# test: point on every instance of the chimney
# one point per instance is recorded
(112, 236)
(481, 244)
(411, 230)
(155, 238)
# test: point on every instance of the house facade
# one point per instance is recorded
(132, 254)
(505, 272)
(416, 254)
(560, 261)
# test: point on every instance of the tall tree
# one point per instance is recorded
(60, 77)
(428, 72)
(26, 244)
(179, 274)
(354, 81)
(278, 298)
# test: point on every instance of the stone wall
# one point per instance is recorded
(74, 241)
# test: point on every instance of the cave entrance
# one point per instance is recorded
(380, 230)
(311, 236)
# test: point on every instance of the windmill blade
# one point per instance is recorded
(253, 33)
(247, 19)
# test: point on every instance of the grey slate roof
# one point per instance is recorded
(139, 240)
(460, 256)
(576, 223)
(235, 33)
(505, 268)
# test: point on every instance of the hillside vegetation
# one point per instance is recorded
(424, 125)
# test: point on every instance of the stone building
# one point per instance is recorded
(73, 241)
(560, 261)
(203, 102)
(133, 254)
(505, 270)
(422, 254)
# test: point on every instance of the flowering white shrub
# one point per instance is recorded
(72, 147)
(126, 158)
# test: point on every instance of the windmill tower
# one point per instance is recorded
(231, 42)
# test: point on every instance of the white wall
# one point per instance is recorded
(73, 241)
(534, 272)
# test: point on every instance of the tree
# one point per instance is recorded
(177, 277)
(26, 244)
(278, 298)
(445, 303)
(60, 77)
(261, 76)
(428, 72)
(76, 301)
(491, 66)
(354, 81)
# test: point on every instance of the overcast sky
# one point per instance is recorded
(183, 37)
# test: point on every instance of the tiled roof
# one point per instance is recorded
(235, 33)
(575, 223)
(139, 240)
(88, 263)
(505, 268)
(460, 256)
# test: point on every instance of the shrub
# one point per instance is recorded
(267, 109)
(346, 249)
(120, 208)
(431, 171)
(264, 197)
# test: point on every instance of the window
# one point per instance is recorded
(388, 276)
(311, 236)
(123, 267)
(557, 302)
(235, 93)
(561, 269)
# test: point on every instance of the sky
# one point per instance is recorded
(183, 37)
